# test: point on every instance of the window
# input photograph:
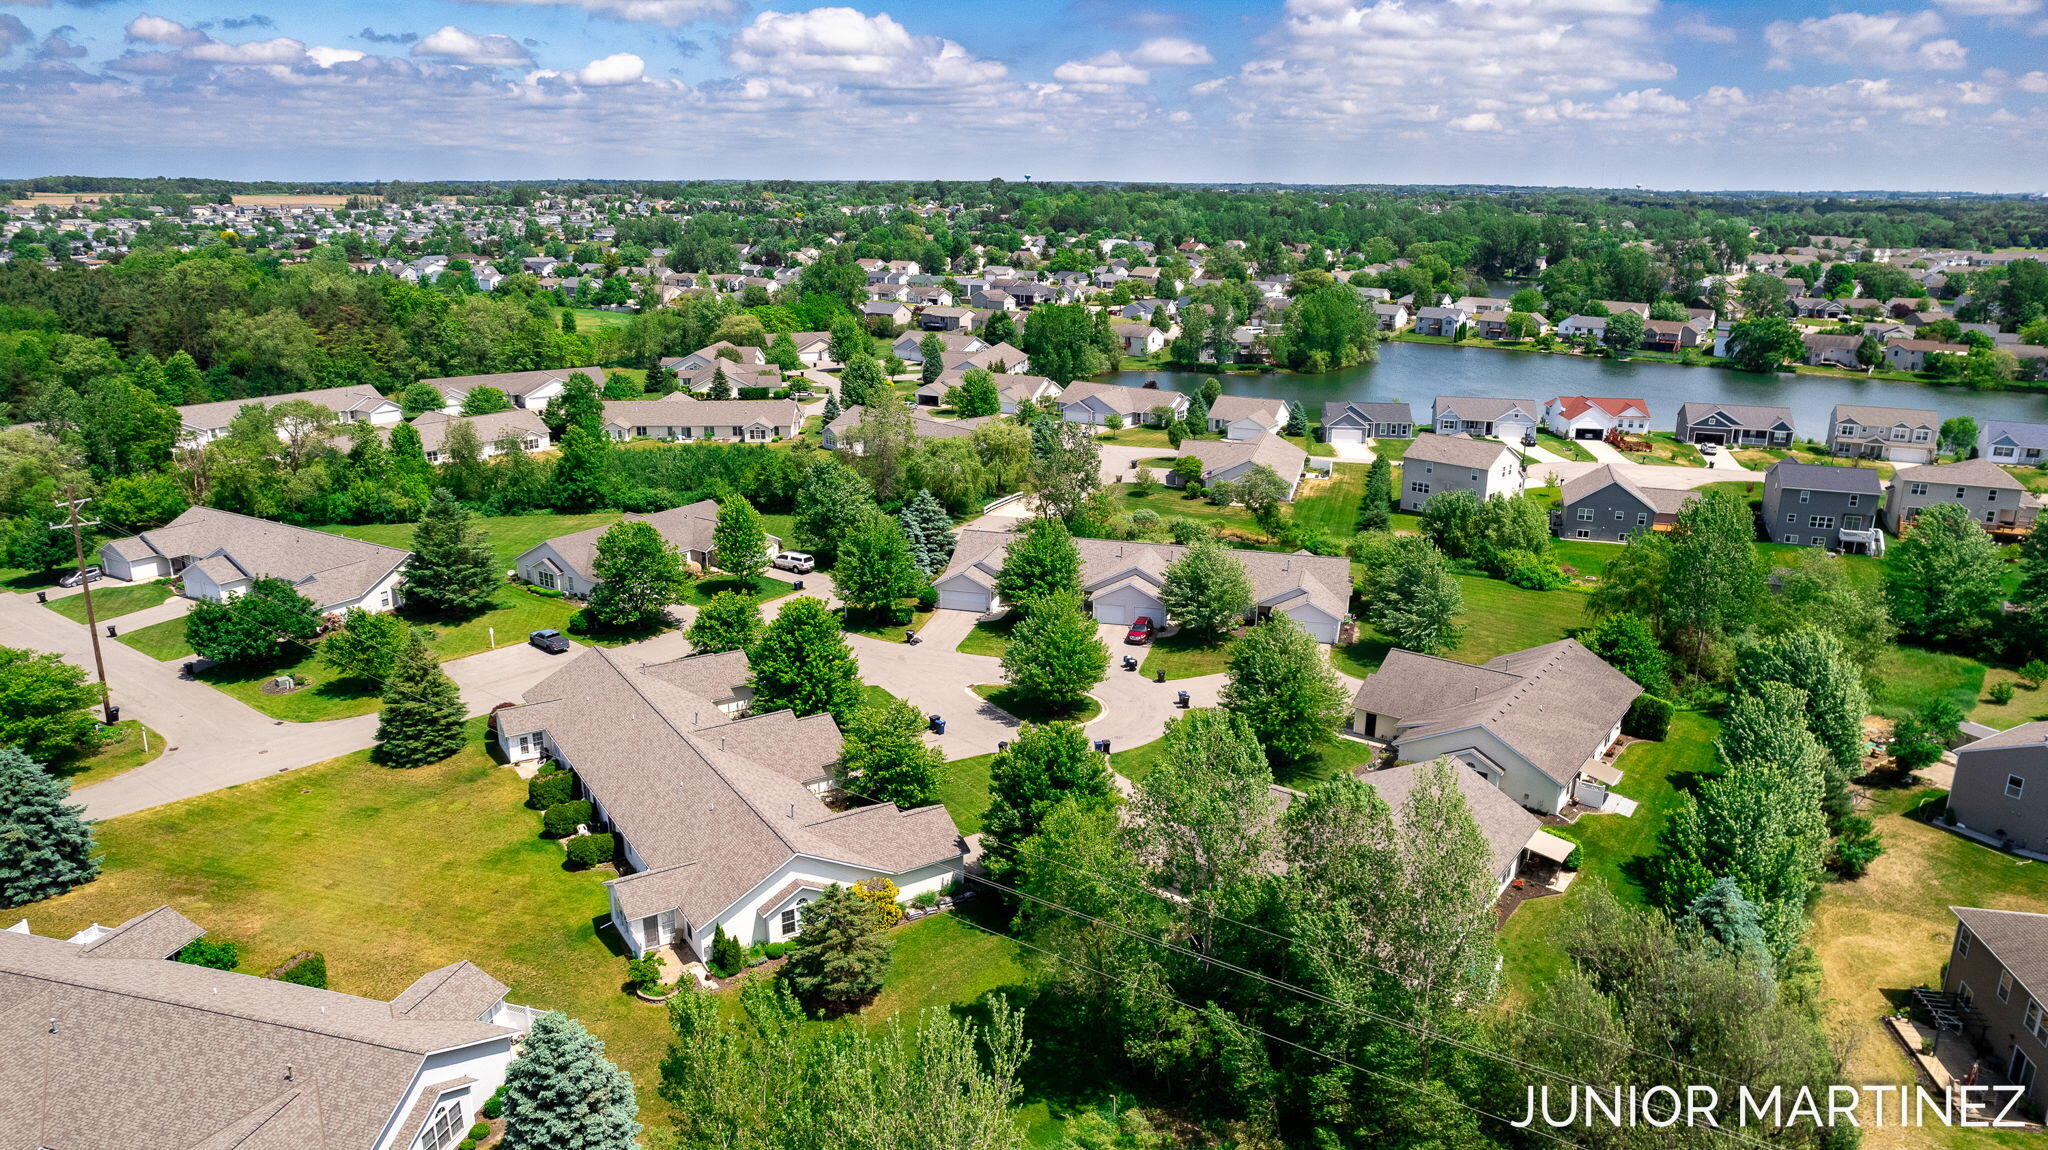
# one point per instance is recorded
(1821, 522)
(1418, 488)
(1806, 497)
(2005, 986)
(1791, 517)
(2015, 786)
(789, 922)
(1963, 941)
(2037, 1020)
(1960, 491)
(1991, 497)
(1991, 517)
(526, 744)
(1964, 992)
(1429, 469)
(1642, 518)
(1585, 533)
(1819, 541)
(1855, 499)
(545, 579)
(1922, 435)
(1585, 515)
(2001, 453)
(442, 1128)
(1619, 515)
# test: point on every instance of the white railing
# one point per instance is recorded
(519, 1018)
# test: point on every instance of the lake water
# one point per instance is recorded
(1419, 372)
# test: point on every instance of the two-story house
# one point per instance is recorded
(1998, 968)
(1603, 505)
(1821, 506)
(2000, 793)
(1898, 434)
(1992, 496)
(1438, 463)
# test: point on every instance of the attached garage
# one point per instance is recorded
(1587, 433)
(1322, 627)
(1346, 435)
(1122, 606)
(1709, 435)
(962, 593)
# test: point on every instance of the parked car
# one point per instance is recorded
(1141, 630)
(79, 578)
(797, 561)
(1709, 449)
(551, 641)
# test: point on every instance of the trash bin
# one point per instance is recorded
(934, 720)
(42, 596)
(1183, 700)
(938, 726)
(799, 584)
(114, 713)
(1102, 745)
(1161, 677)
(910, 636)
(1003, 745)
(110, 631)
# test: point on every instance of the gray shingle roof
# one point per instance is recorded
(1503, 822)
(682, 411)
(328, 569)
(512, 383)
(2019, 434)
(1369, 413)
(434, 426)
(1754, 416)
(458, 992)
(1283, 457)
(1885, 416)
(2019, 939)
(1797, 476)
(1230, 407)
(1456, 450)
(360, 398)
(1487, 407)
(688, 527)
(158, 933)
(1968, 473)
(1589, 483)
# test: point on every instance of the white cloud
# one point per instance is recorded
(1107, 70)
(2034, 82)
(669, 12)
(1694, 26)
(281, 50)
(1857, 39)
(1171, 52)
(460, 46)
(13, 34)
(1990, 7)
(850, 49)
(1477, 122)
(329, 57)
(148, 29)
(617, 68)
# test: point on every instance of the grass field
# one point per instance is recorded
(1173, 504)
(1185, 656)
(121, 753)
(590, 319)
(990, 639)
(1005, 696)
(160, 641)
(963, 788)
(1559, 445)
(113, 600)
(1331, 505)
(1391, 450)
(1665, 448)
(1498, 618)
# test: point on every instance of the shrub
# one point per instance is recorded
(562, 819)
(466, 1144)
(1856, 846)
(775, 950)
(727, 956)
(927, 900)
(642, 974)
(480, 1131)
(1649, 717)
(307, 969)
(1185, 531)
(544, 791)
(593, 850)
(1530, 571)
(2034, 674)
(927, 598)
(2001, 693)
(757, 954)
(495, 1104)
(755, 392)
(219, 954)
(882, 892)
(1576, 859)
(579, 623)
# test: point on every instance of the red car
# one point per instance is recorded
(1141, 631)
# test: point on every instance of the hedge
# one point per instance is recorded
(1648, 718)
(544, 791)
(593, 850)
(755, 392)
(306, 969)
(562, 819)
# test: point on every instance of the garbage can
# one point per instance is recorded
(934, 720)
(1183, 700)
(1003, 745)
(1161, 677)
(110, 631)
(938, 726)
(114, 713)
(1102, 745)
(799, 584)
(42, 596)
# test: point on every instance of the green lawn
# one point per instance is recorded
(763, 589)
(1665, 448)
(1331, 505)
(590, 319)
(1005, 696)
(510, 535)
(990, 639)
(939, 960)
(1185, 656)
(1559, 445)
(1499, 617)
(1312, 445)
(1613, 847)
(120, 753)
(113, 600)
(888, 630)
(160, 641)
(1171, 503)
(1587, 558)
(963, 789)
(1391, 450)
(1138, 437)
(1341, 757)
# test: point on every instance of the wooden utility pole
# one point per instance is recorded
(71, 504)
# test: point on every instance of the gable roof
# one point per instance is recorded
(1456, 450)
(682, 411)
(1884, 416)
(326, 568)
(1283, 457)
(158, 933)
(687, 528)
(1824, 477)
(1119, 398)
(434, 426)
(356, 397)
(1395, 411)
(1504, 823)
(513, 383)
(1663, 500)
(1573, 406)
(457, 992)
(1968, 473)
(1737, 414)
(921, 425)
(1486, 407)
(1234, 407)
(2018, 939)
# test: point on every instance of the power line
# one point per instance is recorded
(71, 503)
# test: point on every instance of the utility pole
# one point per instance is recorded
(71, 504)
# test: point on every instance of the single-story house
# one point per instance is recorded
(1538, 724)
(1244, 416)
(522, 422)
(681, 418)
(1592, 417)
(1121, 581)
(202, 423)
(891, 311)
(220, 553)
(1012, 388)
(704, 358)
(1987, 491)
(837, 434)
(1230, 460)
(566, 563)
(1511, 832)
(1437, 463)
(1094, 403)
(1603, 505)
(1353, 422)
(209, 1059)
(1575, 327)
(2013, 444)
(1734, 424)
(1488, 416)
(1001, 358)
(948, 319)
(529, 389)
(909, 347)
(720, 820)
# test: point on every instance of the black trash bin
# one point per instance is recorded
(1183, 700)
(1161, 678)
(938, 726)
(42, 596)
(110, 631)
(1102, 745)
(934, 720)
(114, 713)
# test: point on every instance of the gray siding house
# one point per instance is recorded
(1358, 422)
(1994, 499)
(2013, 443)
(1437, 463)
(1486, 415)
(1900, 434)
(1822, 506)
(2000, 792)
(1735, 424)
(1998, 966)
(1602, 505)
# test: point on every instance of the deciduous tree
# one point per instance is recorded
(1282, 687)
(638, 575)
(803, 664)
(46, 705)
(886, 759)
(730, 621)
(1054, 658)
(1206, 590)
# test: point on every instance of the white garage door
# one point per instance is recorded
(975, 601)
(1117, 613)
(1347, 435)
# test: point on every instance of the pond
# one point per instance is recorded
(1419, 372)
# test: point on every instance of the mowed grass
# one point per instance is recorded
(1331, 505)
(991, 639)
(113, 600)
(1185, 655)
(1009, 699)
(1171, 503)
(122, 751)
(160, 641)
(1613, 848)
(1498, 618)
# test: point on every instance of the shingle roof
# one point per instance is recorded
(2019, 939)
(1456, 450)
(1743, 414)
(1885, 416)
(434, 426)
(921, 425)
(1119, 398)
(688, 528)
(1503, 822)
(1486, 407)
(513, 383)
(1553, 704)
(328, 569)
(1389, 412)
(682, 411)
(1968, 473)
(1230, 407)
(356, 397)
(1283, 457)
(458, 992)
(158, 933)
(1573, 406)
(1823, 477)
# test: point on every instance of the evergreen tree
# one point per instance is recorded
(452, 570)
(885, 757)
(1297, 419)
(46, 844)
(1054, 658)
(875, 570)
(739, 543)
(423, 713)
(562, 1093)
(1416, 601)
(1044, 765)
(719, 387)
(1731, 920)
(583, 470)
(1206, 590)
(1040, 561)
(832, 409)
(638, 575)
(831, 502)
(931, 351)
(1375, 511)
(837, 963)
(1282, 686)
(410, 471)
(803, 664)
(1945, 579)
(730, 621)
(930, 532)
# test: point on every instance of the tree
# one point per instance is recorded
(485, 401)
(1818, 664)
(1763, 295)
(578, 403)
(730, 621)
(1297, 419)
(837, 963)
(1416, 601)
(999, 328)
(1715, 582)
(1040, 561)
(803, 664)
(1732, 921)
(829, 505)
(416, 399)
(931, 351)
(1066, 465)
(583, 471)
(1054, 658)
(1204, 817)
(369, 644)
(876, 570)
(930, 532)
(782, 353)
(1624, 333)
(1451, 520)
(1282, 686)
(861, 381)
(1375, 511)
(1944, 579)
(423, 715)
(1959, 435)
(886, 759)
(46, 844)
(1627, 643)
(977, 395)
(452, 571)
(46, 705)
(562, 1093)
(739, 543)
(1816, 589)
(1263, 493)
(250, 627)
(1206, 590)
(1043, 766)
(720, 388)
(638, 575)
(1759, 823)
(1764, 344)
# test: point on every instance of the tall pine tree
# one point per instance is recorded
(423, 713)
(562, 1093)
(46, 845)
(930, 531)
(452, 571)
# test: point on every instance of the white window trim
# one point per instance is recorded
(2015, 787)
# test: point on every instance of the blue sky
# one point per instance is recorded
(1913, 94)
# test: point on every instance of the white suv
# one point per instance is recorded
(796, 561)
